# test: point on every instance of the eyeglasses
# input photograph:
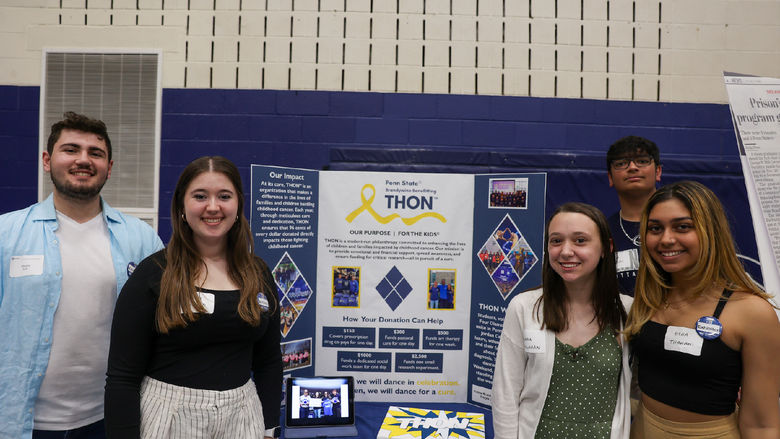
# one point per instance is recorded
(640, 162)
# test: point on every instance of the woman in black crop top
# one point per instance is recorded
(691, 368)
(195, 338)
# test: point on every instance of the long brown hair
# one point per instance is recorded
(717, 264)
(178, 294)
(605, 297)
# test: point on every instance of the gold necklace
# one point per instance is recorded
(668, 304)
(674, 304)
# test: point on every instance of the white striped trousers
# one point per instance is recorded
(175, 412)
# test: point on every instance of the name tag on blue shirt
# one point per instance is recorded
(28, 265)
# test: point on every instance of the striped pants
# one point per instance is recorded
(175, 412)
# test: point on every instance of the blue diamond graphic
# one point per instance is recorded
(394, 276)
(384, 288)
(393, 300)
(394, 288)
(403, 288)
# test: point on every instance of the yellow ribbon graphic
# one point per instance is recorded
(386, 219)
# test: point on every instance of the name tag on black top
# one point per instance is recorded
(682, 339)
(207, 299)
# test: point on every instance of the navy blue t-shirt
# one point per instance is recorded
(626, 252)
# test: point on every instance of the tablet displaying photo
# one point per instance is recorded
(320, 401)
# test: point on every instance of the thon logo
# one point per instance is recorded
(412, 202)
(394, 288)
(403, 422)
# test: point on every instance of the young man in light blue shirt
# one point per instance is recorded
(62, 263)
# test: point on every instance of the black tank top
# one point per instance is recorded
(706, 384)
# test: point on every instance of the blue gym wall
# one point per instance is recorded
(19, 140)
(567, 138)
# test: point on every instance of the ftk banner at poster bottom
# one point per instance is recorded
(415, 423)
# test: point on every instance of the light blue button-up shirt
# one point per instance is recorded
(28, 300)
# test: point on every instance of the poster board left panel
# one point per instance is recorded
(284, 216)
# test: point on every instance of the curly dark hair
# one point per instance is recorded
(78, 122)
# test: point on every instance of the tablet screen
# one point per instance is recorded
(319, 401)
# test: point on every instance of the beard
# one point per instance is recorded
(75, 192)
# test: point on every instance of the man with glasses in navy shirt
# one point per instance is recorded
(633, 169)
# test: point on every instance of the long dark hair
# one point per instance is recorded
(177, 288)
(605, 297)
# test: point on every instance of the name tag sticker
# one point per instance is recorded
(685, 340)
(207, 299)
(534, 341)
(28, 265)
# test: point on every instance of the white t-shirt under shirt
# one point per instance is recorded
(71, 395)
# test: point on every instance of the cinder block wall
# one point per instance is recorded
(643, 50)
(272, 81)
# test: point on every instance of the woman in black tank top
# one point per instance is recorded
(700, 327)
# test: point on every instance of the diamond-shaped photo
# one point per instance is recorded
(506, 235)
(522, 258)
(441, 289)
(346, 287)
(285, 273)
(490, 255)
(293, 290)
(505, 279)
(288, 315)
(393, 288)
(299, 293)
(507, 256)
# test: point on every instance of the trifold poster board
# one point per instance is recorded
(398, 279)
(755, 111)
